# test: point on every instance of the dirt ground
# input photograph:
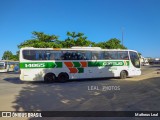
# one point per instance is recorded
(141, 93)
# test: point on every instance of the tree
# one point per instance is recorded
(76, 39)
(7, 55)
(100, 44)
(44, 37)
(139, 54)
(113, 43)
(41, 40)
(16, 57)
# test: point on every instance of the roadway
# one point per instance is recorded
(132, 94)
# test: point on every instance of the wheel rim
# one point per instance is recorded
(62, 78)
(49, 78)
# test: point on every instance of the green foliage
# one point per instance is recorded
(75, 39)
(110, 44)
(38, 44)
(42, 40)
(114, 44)
(44, 37)
(7, 55)
(15, 58)
(139, 54)
(100, 44)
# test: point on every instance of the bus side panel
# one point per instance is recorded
(32, 75)
(3, 70)
(76, 72)
(98, 72)
(133, 71)
(39, 73)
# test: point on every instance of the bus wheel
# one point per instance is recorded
(63, 77)
(49, 77)
(123, 74)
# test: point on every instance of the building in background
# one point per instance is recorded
(144, 61)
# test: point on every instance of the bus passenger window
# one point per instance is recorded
(74, 56)
(107, 55)
(47, 56)
(29, 54)
(94, 55)
(80, 56)
(52, 57)
(43, 55)
(101, 55)
(37, 55)
(88, 55)
(66, 56)
(126, 58)
(114, 55)
(123, 55)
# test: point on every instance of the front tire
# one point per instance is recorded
(123, 74)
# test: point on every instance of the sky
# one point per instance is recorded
(99, 20)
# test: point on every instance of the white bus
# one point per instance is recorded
(59, 64)
(8, 65)
(3, 66)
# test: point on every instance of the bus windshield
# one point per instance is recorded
(134, 59)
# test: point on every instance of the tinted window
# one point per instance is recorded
(110, 55)
(54, 55)
(97, 55)
(61, 55)
(41, 55)
(134, 59)
(115, 55)
(123, 55)
(76, 55)
(29, 54)
(88, 55)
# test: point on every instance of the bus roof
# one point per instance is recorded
(8, 61)
(77, 48)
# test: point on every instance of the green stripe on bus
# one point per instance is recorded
(41, 65)
(80, 70)
(77, 64)
(108, 63)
